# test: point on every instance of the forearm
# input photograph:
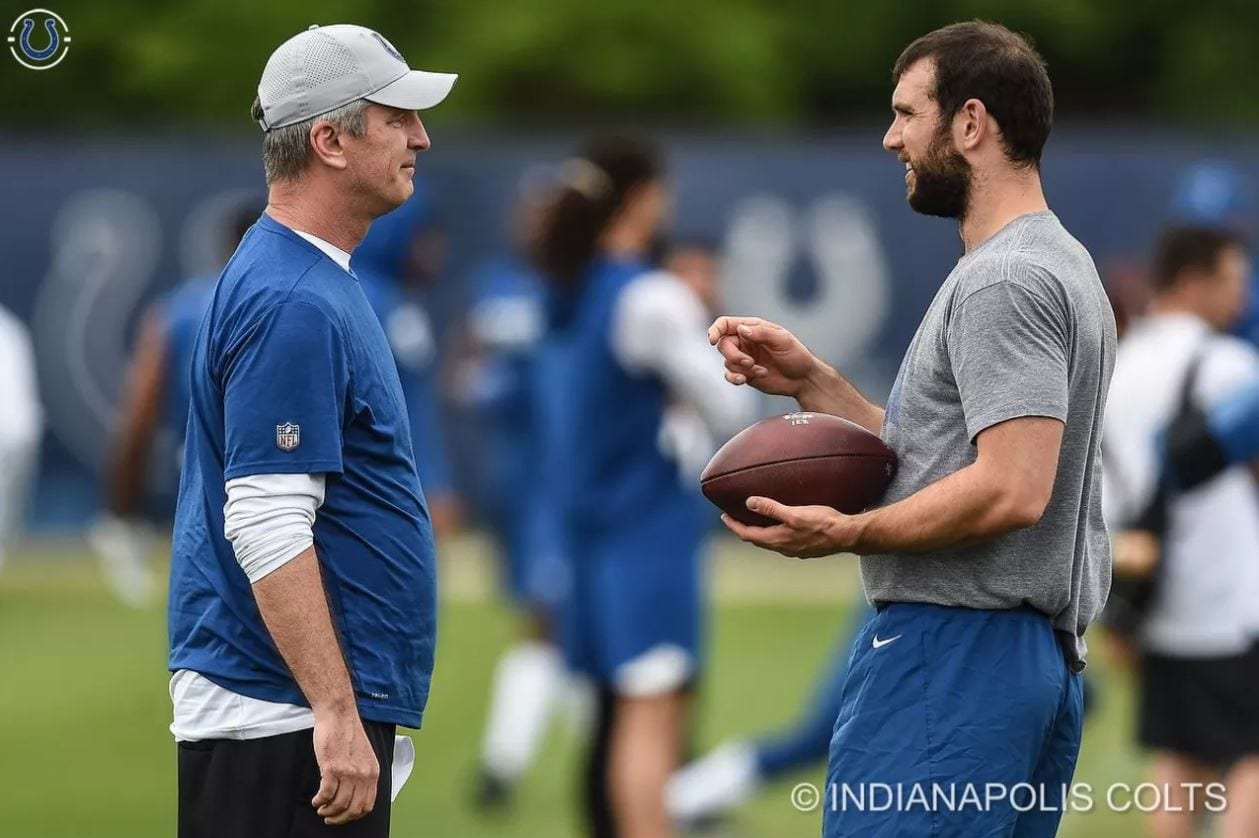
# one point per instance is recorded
(826, 391)
(294, 607)
(962, 509)
(139, 414)
(126, 477)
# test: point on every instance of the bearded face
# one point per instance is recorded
(939, 182)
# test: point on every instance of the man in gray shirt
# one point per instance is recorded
(989, 558)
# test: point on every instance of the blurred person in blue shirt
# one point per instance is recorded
(500, 390)
(400, 259)
(628, 343)
(154, 407)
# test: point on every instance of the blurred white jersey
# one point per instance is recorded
(21, 421)
(1208, 601)
(660, 326)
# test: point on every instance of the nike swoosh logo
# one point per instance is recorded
(879, 644)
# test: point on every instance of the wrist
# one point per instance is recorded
(817, 381)
(856, 532)
(341, 708)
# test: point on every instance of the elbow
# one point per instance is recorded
(1018, 508)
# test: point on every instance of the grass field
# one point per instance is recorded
(85, 751)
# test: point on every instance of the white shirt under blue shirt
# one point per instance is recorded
(292, 375)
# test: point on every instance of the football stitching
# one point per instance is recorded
(882, 457)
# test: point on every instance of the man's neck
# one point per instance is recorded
(321, 215)
(999, 201)
(1172, 303)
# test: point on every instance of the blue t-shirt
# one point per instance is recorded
(292, 374)
(506, 322)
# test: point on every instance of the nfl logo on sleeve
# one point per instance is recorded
(288, 436)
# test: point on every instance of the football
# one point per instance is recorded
(800, 459)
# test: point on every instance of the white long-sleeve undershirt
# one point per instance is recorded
(660, 326)
(269, 519)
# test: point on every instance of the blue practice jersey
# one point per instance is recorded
(181, 310)
(632, 529)
(292, 374)
(506, 393)
(506, 320)
(621, 479)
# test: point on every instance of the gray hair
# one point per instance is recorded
(286, 150)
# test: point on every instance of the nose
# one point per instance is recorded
(892, 140)
(417, 137)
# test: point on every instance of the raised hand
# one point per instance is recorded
(762, 354)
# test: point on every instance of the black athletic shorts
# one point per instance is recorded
(1207, 708)
(262, 788)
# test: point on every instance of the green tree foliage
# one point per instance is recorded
(685, 62)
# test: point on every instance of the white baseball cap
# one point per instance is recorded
(326, 67)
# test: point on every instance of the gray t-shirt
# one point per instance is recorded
(1021, 327)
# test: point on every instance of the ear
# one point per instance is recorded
(972, 124)
(325, 139)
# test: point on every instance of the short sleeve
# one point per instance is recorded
(1008, 347)
(1231, 365)
(285, 394)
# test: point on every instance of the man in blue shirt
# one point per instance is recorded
(298, 641)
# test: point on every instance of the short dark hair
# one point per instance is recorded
(1183, 249)
(1001, 68)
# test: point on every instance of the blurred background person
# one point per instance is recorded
(1199, 622)
(154, 407)
(21, 424)
(629, 340)
(399, 262)
(685, 436)
(498, 388)
(1216, 195)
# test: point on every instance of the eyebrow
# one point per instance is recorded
(902, 108)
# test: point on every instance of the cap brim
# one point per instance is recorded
(415, 91)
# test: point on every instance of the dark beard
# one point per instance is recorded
(942, 183)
